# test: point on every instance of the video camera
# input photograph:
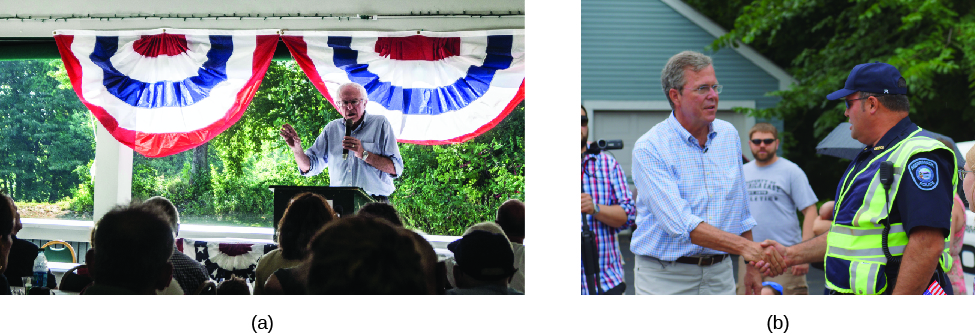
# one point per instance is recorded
(604, 145)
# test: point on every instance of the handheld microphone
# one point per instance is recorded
(348, 132)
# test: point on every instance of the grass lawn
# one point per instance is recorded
(60, 210)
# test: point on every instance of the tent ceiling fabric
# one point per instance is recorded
(33, 19)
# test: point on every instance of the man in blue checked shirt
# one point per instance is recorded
(608, 209)
(692, 209)
(373, 158)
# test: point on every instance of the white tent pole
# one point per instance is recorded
(113, 175)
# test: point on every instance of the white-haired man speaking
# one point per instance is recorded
(371, 158)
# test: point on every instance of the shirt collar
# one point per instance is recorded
(686, 135)
(899, 132)
(589, 156)
(362, 122)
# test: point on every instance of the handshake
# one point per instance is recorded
(772, 259)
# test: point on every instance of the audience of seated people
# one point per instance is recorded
(132, 246)
(189, 273)
(368, 253)
(279, 272)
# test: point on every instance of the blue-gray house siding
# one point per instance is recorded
(626, 43)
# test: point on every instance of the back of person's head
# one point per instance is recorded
(363, 255)
(233, 286)
(6, 229)
(306, 214)
(483, 258)
(511, 218)
(381, 210)
(428, 259)
(132, 248)
(6, 216)
(166, 206)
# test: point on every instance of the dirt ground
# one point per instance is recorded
(49, 210)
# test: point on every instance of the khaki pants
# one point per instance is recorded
(655, 277)
(791, 284)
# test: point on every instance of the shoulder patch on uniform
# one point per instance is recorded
(924, 172)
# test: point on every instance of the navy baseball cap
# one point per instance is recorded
(880, 78)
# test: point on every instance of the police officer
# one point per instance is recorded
(890, 228)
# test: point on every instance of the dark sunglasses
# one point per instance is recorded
(585, 121)
(849, 102)
(768, 141)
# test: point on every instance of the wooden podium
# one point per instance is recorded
(345, 200)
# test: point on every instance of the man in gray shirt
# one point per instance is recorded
(374, 158)
(776, 189)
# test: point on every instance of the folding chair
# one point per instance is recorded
(59, 254)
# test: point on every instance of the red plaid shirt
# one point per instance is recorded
(603, 179)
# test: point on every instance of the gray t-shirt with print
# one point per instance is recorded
(775, 193)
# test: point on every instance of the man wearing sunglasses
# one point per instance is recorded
(893, 203)
(777, 188)
(608, 209)
(692, 209)
(374, 159)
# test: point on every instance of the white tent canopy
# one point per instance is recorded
(41, 18)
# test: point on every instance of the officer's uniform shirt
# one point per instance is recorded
(919, 202)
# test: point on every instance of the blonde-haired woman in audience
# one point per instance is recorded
(305, 215)
(968, 186)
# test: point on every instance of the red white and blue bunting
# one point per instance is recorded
(165, 91)
(434, 88)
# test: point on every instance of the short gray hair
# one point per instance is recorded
(362, 90)
(673, 74)
(894, 102)
(166, 206)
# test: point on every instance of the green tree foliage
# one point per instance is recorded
(252, 152)
(446, 188)
(45, 133)
(818, 42)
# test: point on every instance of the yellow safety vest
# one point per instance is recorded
(855, 259)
